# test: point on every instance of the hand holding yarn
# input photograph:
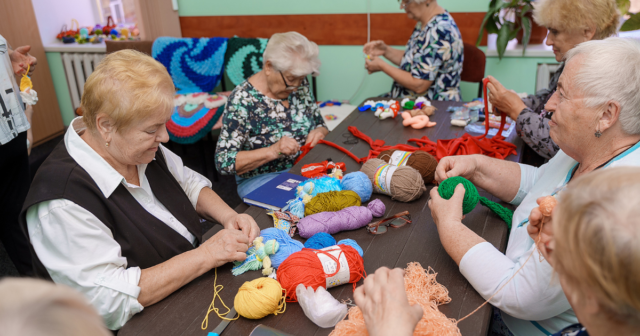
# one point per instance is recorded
(257, 257)
(320, 307)
(384, 304)
(225, 246)
(540, 228)
(244, 223)
(446, 211)
(471, 198)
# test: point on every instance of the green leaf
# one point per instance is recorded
(526, 36)
(491, 26)
(503, 39)
(484, 21)
(514, 30)
(632, 24)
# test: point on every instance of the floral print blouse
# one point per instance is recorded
(252, 120)
(533, 123)
(434, 53)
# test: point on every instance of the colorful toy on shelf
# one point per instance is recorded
(124, 32)
(84, 33)
(417, 122)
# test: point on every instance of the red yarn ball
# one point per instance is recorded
(305, 268)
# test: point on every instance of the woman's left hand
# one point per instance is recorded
(446, 211)
(373, 64)
(506, 101)
(245, 223)
(540, 228)
(316, 135)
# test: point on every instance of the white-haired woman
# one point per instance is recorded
(596, 123)
(570, 22)
(431, 63)
(271, 114)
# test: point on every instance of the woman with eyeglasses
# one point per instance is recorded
(570, 22)
(271, 114)
(431, 63)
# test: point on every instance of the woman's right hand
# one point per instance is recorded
(384, 304)
(225, 246)
(375, 48)
(460, 165)
(540, 227)
(286, 146)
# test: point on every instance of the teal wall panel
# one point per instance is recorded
(61, 87)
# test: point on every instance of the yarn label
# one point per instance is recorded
(383, 178)
(342, 275)
(399, 158)
(289, 184)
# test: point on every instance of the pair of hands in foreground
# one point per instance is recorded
(232, 242)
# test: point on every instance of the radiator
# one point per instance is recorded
(545, 72)
(78, 67)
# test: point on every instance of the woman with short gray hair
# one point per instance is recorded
(271, 114)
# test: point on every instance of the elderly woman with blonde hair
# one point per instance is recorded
(592, 243)
(113, 213)
(570, 22)
(596, 123)
(269, 116)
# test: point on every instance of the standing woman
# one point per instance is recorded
(431, 64)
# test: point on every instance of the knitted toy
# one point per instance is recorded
(28, 94)
(417, 122)
(257, 257)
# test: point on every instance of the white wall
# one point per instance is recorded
(52, 14)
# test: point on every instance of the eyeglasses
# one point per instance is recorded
(396, 221)
(287, 86)
(404, 3)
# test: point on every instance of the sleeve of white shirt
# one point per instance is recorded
(79, 251)
(529, 175)
(533, 294)
(190, 181)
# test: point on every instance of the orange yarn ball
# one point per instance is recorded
(305, 268)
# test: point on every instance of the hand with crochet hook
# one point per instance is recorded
(244, 223)
(384, 304)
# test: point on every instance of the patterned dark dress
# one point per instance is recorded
(533, 125)
(252, 121)
(434, 53)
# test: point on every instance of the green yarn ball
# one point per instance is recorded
(471, 196)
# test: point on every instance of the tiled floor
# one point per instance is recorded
(192, 156)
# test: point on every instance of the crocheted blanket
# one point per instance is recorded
(243, 58)
(195, 64)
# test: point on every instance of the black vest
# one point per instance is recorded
(144, 239)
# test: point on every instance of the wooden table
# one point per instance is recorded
(182, 312)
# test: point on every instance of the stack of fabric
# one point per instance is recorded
(195, 65)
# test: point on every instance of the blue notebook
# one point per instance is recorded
(276, 193)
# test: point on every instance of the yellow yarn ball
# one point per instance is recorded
(332, 201)
(259, 298)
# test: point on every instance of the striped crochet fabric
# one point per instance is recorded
(243, 58)
(195, 64)
(196, 131)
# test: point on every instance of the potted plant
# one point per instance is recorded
(507, 18)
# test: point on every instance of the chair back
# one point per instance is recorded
(474, 64)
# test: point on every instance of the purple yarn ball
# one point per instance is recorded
(376, 207)
(350, 218)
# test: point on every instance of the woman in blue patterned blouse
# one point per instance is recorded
(431, 64)
(271, 114)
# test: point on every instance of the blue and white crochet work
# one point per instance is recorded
(195, 64)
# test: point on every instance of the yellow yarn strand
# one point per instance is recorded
(25, 82)
(212, 307)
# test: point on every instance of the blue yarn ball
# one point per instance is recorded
(320, 240)
(353, 244)
(288, 245)
(359, 183)
(324, 184)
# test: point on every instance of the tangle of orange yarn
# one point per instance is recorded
(423, 289)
